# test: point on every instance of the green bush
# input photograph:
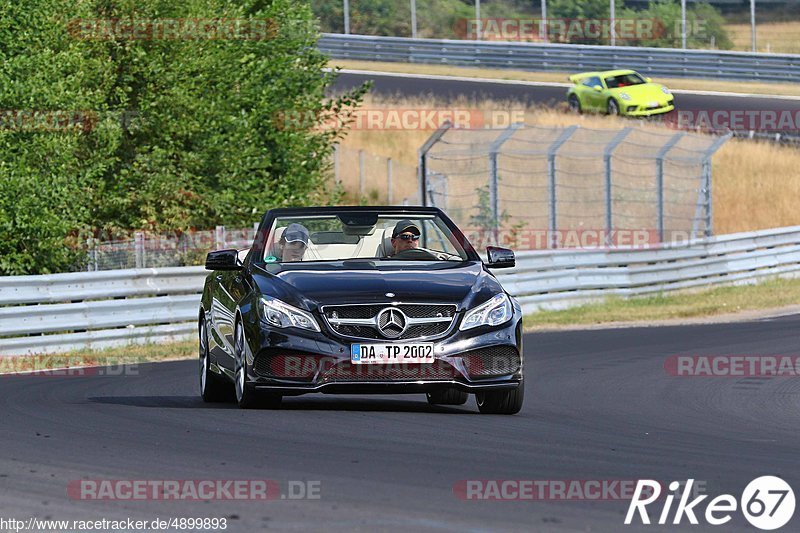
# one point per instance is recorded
(204, 141)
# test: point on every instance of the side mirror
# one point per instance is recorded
(500, 257)
(223, 260)
(597, 88)
(648, 80)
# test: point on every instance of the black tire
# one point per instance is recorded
(502, 402)
(612, 107)
(447, 397)
(574, 104)
(213, 387)
(246, 395)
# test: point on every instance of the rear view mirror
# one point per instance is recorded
(223, 260)
(597, 88)
(500, 257)
(648, 80)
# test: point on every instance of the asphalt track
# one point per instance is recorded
(543, 95)
(599, 406)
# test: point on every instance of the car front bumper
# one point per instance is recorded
(647, 111)
(291, 362)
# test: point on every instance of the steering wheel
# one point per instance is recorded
(415, 254)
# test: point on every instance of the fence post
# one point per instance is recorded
(551, 174)
(662, 153)
(706, 185)
(607, 153)
(360, 173)
(138, 247)
(494, 192)
(92, 249)
(389, 180)
(422, 167)
(219, 237)
(336, 177)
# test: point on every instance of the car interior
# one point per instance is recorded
(334, 245)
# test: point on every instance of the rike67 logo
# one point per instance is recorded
(767, 503)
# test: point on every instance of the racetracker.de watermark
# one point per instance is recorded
(400, 119)
(193, 489)
(572, 30)
(173, 29)
(578, 238)
(550, 489)
(758, 120)
(69, 366)
(733, 366)
(60, 120)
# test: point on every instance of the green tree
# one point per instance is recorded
(208, 141)
(703, 24)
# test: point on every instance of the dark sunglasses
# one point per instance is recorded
(408, 237)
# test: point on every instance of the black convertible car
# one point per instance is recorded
(360, 300)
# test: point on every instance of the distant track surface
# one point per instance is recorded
(599, 405)
(404, 85)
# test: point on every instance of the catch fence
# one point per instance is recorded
(533, 187)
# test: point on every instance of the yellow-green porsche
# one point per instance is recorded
(618, 92)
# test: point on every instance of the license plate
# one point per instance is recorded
(653, 105)
(368, 354)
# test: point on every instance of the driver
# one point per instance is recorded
(405, 236)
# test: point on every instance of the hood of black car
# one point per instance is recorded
(369, 282)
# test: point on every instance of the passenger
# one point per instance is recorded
(293, 243)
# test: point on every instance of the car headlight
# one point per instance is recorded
(492, 313)
(283, 315)
(665, 90)
(625, 96)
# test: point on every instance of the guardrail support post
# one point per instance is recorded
(607, 153)
(662, 153)
(422, 167)
(551, 175)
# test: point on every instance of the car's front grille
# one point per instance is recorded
(366, 321)
(492, 361)
(346, 371)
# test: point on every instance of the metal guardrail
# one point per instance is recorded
(672, 62)
(61, 312)
(565, 278)
(95, 310)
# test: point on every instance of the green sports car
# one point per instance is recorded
(618, 92)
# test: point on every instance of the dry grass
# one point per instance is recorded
(127, 355)
(756, 184)
(785, 89)
(774, 37)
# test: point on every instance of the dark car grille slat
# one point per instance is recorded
(413, 331)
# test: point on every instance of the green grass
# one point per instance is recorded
(679, 305)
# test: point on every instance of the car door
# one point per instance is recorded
(595, 99)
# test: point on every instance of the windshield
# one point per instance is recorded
(624, 80)
(367, 235)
